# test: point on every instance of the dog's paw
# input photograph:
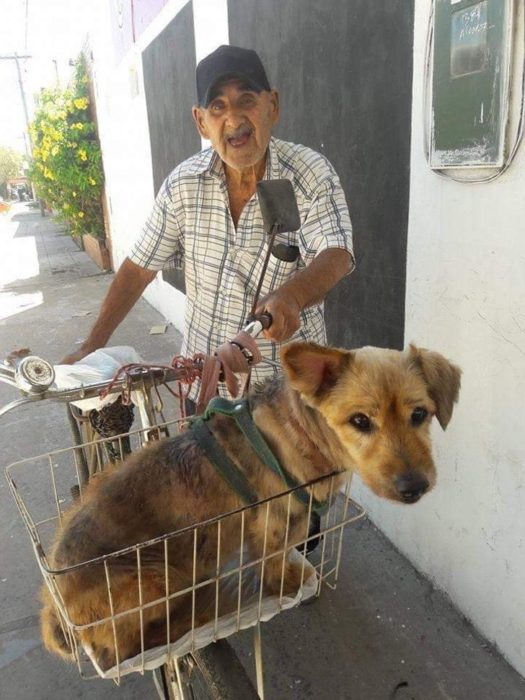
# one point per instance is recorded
(279, 581)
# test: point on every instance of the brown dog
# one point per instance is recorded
(367, 410)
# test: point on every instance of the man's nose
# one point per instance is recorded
(234, 117)
(411, 486)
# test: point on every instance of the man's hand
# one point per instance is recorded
(285, 311)
(307, 287)
(74, 357)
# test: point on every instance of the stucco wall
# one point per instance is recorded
(125, 141)
(466, 297)
(124, 131)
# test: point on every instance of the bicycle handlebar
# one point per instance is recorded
(34, 376)
(135, 379)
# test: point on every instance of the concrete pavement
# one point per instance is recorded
(384, 633)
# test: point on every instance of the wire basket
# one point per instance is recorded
(231, 596)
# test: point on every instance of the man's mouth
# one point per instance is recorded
(239, 138)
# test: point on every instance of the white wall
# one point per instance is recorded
(465, 297)
(124, 133)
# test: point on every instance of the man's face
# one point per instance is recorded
(238, 122)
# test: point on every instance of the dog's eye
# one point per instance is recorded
(361, 422)
(419, 415)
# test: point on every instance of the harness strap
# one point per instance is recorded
(238, 410)
(222, 463)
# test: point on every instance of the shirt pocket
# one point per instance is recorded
(251, 262)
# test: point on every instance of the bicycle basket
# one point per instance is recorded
(231, 596)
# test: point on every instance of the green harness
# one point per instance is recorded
(240, 413)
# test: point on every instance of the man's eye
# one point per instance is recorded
(419, 415)
(361, 422)
(216, 106)
(247, 100)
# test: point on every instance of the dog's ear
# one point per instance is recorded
(443, 380)
(313, 369)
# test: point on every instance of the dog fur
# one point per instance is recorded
(367, 410)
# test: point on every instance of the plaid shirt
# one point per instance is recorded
(191, 226)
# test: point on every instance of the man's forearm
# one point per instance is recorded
(305, 288)
(311, 285)
(127, 286)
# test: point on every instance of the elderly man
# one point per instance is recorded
(206, 217)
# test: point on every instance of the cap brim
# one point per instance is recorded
(224, 77)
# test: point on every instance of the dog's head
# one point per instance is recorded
(379, 403)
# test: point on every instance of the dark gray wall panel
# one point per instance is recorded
(169, 82)
(344, 71)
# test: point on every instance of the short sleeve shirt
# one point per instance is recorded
(191, 227)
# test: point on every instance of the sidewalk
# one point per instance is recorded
(384, 633)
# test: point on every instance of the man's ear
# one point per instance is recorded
(443, 380)
(196, 113)
(274, 97)
(312, 369)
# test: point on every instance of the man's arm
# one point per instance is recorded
(307, 287)
(127, 286)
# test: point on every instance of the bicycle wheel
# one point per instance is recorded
(212, 673)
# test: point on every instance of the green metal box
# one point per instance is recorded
(470, 83)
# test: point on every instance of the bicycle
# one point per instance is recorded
(198, 666)
(201, 659)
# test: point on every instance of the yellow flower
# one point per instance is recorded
(82, 154)
(92, 181)
(81, 102)
(79, 126)
(74, 194)
(80, 214)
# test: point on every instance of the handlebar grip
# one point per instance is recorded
(258, 323)
(265, 318)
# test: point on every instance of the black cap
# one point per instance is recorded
(229, 62)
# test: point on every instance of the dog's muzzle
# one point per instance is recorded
(411, 487)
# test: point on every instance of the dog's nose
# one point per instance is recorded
(411, 487)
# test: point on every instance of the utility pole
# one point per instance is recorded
(27, 141)
(16, 58)
(56, 72)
